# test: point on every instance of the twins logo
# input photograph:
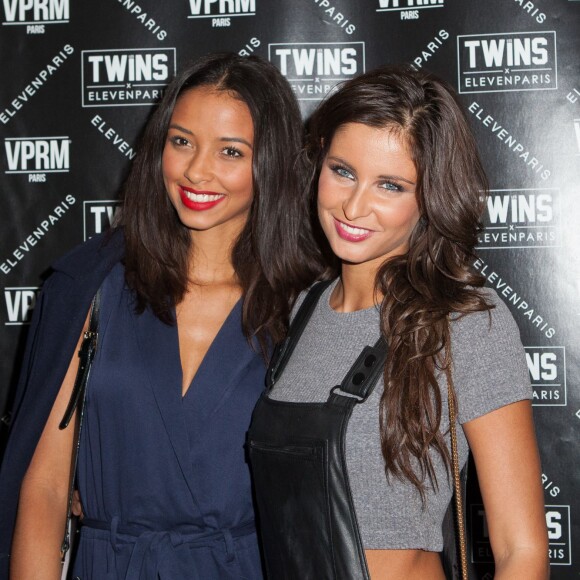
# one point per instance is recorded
(314, 68)
(508, 61)
(125, 77)
(559, 535)
(521, 218)
(547, 368)
(98, 216)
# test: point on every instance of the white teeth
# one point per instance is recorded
(201, 197)
(353, 231)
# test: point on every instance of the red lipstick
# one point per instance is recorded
(199, 200)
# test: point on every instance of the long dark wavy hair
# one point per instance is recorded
(275, 256)
(434, 277)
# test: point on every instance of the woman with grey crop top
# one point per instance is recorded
(353, 479)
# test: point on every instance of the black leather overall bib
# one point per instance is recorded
(297, 451)
(306, 514)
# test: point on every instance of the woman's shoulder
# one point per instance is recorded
(300, 299)
(99, 252)
(489, 363)
(496, 321)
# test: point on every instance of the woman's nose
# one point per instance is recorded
(356, 205)
(199, 168)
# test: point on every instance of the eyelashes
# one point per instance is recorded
(345, 173)
(341, 171)
(179, 141)
(228, 151)
(232, 152)
(391, 186)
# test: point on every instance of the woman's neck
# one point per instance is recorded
(355, 289)
(210, 260)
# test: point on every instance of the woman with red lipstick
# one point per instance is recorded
(353, 478)
(195, 284)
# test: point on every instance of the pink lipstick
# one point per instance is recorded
(351, 233)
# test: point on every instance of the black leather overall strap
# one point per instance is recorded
(297, 451)
(363, 375)
(368, 365)
(284, 350)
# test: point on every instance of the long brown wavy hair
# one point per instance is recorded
(275, 256)
(434, 278)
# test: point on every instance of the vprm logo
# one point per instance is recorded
(126, 77)
(221, 8)
(521, 218)
(25, 12)
(19, 301)
(98, 216)
(398, 5)
(37, 156)
(509, 61)
(314, 68)
(547, 368)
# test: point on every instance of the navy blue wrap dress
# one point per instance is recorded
(163, 479)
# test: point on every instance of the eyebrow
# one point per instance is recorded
(224, 139)
(392, 177)
(236, 140)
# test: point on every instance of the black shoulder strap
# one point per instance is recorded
(284, 349)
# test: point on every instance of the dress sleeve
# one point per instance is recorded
(489, 363)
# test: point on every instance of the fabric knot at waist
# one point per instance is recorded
(151, 547)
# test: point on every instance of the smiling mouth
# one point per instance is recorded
(351, 233)
(201, 196)
(200, 200)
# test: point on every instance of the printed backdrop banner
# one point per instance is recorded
(81, 78)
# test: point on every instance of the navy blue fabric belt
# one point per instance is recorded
(152, 546)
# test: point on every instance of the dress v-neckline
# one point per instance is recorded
(206, 356)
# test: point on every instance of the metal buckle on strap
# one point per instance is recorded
(364, 373)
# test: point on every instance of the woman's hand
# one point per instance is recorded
(77, 506)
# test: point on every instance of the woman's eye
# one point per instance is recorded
(179, 141)
(232, 152)
(390, 186)
(342, 171)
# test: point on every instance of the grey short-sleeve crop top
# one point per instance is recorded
(489, 371)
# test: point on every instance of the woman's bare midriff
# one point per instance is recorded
(404, 565)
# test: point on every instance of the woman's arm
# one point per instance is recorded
(41, 515)
(504, 448)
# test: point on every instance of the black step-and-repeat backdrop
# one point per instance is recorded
(79, 80)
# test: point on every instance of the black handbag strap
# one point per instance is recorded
(77, 401)
(458, 481)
